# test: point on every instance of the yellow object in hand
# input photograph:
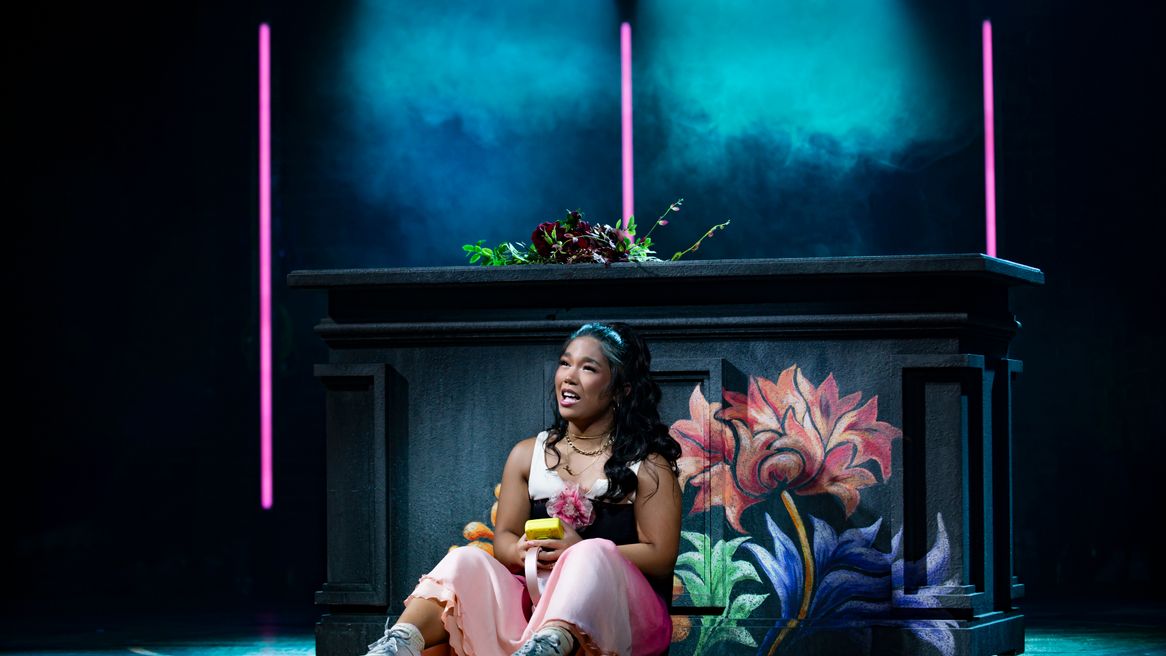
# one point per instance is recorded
(544, 529)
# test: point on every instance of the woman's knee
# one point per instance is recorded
(594, 548)
(591, 563)
(465, 557)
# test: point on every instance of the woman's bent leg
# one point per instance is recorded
(479, 602)
(613, 608)
(425, 614)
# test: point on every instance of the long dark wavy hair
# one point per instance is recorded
(637, 429)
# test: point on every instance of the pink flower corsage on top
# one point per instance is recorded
(571, 506)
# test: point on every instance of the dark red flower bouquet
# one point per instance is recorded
(572, 240)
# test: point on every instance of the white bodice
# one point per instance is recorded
(544, 482)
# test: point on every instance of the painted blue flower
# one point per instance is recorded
(783, 568)
(937, 572)
(855, 581)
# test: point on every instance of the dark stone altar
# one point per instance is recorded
(846, 425)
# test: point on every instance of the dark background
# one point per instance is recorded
(131, 459)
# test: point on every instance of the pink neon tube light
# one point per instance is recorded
(989, 143)
(265, 414)
(625, 66)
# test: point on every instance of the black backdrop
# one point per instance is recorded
(131, 458)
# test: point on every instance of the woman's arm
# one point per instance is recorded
(657, 508)
(513, 505)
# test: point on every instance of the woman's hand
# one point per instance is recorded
(521, 547)
(550, 549)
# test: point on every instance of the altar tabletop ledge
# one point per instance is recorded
(963, 265)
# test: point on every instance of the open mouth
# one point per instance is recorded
(568, 398)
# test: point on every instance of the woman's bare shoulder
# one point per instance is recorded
(525, 446)
(653, 469)
(656, 461)
(521, 454)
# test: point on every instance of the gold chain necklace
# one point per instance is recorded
(601, 449)
(589, 437)
(567, 466)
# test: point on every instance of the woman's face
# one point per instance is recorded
(582, 382)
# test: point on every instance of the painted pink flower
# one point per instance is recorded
(707, 452)
(784, 435)
(572, 506)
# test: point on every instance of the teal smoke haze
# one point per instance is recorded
(501, 69)
(478, 120)
(819, 128)
(854, 70)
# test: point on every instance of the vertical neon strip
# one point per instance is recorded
(625, 67)
(989, 143)
(265, 414)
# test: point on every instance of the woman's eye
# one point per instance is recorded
(591, 369)
(563, 363)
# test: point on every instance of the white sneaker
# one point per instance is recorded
(541, 644)
(393, 643)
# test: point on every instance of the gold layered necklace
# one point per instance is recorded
(605, 446)
(591, 454)
(576, 474)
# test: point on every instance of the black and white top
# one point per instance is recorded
(613, 521)
(545, 482)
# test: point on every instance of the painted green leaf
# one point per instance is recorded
(723, 569)
(698, 540)
(744, 605)
(724, 551)
(725, 573)
(741, 570)
(739, 635)
(691, 559)
(695, 587)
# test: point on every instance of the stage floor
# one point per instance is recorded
(1110, 630)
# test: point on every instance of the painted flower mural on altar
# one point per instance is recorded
(781, 437)
(767, 447)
